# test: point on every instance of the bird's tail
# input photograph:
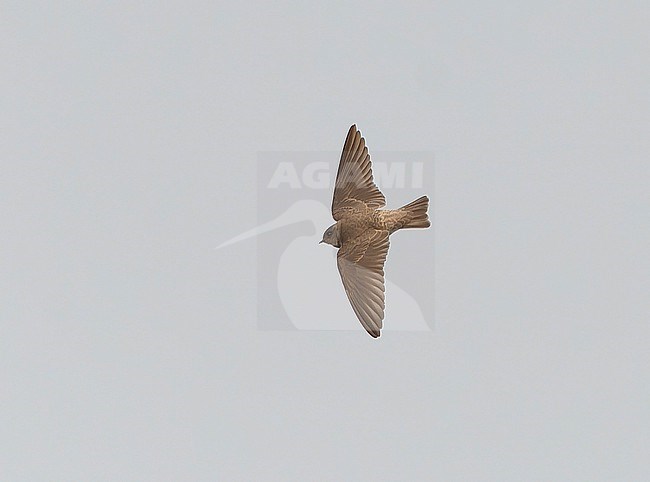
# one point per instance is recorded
(417, 213)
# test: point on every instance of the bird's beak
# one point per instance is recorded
(321, 241)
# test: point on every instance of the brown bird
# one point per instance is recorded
(361, 231)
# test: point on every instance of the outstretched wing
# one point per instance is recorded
(361, 265)
(354, 188)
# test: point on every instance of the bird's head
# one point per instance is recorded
(331, 236)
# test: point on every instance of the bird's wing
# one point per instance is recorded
(354, 188)
(361, 265)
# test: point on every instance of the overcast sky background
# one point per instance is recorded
(130, 348)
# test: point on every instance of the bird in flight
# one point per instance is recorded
(362, 229)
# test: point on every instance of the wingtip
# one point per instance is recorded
(375, 334)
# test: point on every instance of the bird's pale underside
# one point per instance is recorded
(362, 230)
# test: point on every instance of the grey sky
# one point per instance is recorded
(129, 347)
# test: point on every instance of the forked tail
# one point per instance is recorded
(417, 213)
